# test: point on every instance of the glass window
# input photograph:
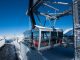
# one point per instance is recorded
(45, 37)
(60, 35)
(36, 38)
(36, 35)
(53, 37)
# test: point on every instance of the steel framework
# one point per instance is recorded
(34, 5)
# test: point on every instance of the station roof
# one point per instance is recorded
(41, 27)
(46, 28)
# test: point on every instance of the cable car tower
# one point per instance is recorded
(76, 15)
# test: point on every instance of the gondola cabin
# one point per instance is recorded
(44, 37)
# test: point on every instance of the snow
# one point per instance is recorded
(1, 37)
(41, 27)
(2, 42)
(24, 51)
(21, 49)
(17, 46)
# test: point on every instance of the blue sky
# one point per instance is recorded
(13, 19)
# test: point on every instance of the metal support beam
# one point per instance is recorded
(30, 13)
(50, 7)
(61, 3)
(76, 16)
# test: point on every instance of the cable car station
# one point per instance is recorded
(49, 37)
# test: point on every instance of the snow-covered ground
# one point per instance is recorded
(26, 53)
(14, 41)
(2, 41)
(21, 49)
(58, 53)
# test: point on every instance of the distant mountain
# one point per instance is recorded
(68, 32)
(1, 37)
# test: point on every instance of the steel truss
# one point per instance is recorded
(74, 10)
